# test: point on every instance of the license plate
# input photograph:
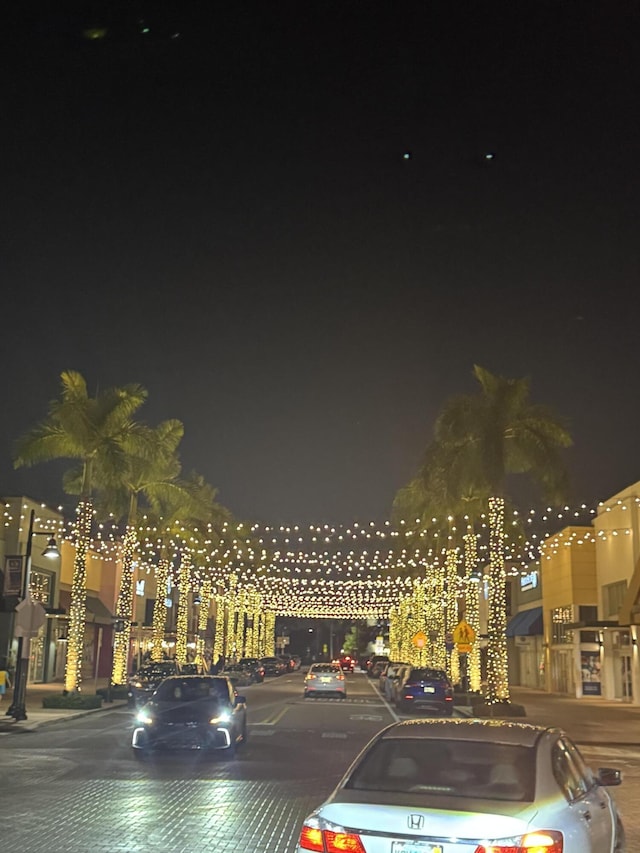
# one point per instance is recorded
(428, 689)
(414, 847)
(325, 680)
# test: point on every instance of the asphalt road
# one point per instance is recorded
(77, 787)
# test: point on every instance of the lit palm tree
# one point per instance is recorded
(485, 438)
(93, 431)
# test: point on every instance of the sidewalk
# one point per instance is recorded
(37, 716)
(589, 721)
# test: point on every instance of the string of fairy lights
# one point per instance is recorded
(247, 574)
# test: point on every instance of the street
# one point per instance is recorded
(76, 786)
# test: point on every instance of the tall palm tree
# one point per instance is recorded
(486, 437)
(151, 474)
(93, 431)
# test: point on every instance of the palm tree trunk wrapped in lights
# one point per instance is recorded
(451, 611)
(203, 621)
(497, 661)
(436, 615)
(230, 633)
(124, 610)
(78, 605)
(419, 621)
(160, 610)
(269, 634)
(219, 635)
(472, 608)
(394, 649)
(182, 621)
(241, 611)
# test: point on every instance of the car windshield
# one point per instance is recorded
(455, 768)
(191, 690)
(159, 671)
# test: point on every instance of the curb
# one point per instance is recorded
(28, 726)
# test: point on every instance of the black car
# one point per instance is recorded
(192, 712)
(273, 666)
(255, 667)
(143, 682)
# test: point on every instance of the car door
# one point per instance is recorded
(589, 826)
(596, 800)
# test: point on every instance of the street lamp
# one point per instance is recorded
(17, 708)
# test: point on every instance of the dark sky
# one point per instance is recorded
(228, 218)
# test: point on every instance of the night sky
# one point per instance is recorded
(281, 219)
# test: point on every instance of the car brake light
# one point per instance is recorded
(343, 842)
(310, 676)
(311, 839)
(340, 677)
(542, 841)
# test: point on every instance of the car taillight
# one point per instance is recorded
(542, 841)
(310, 676)
(340, 677)
(342, 842)
(311, 839)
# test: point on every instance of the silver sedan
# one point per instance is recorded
(468, 786)
(323, 679)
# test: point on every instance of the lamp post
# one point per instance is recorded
(17, 708)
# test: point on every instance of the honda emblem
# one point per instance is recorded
(415, 821)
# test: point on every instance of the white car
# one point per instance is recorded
(325, 679)
(468, 786)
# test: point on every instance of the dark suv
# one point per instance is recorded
(428, 689)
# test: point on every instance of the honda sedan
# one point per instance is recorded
(468, 786)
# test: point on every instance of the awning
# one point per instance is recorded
(527, 623)
(100, 612)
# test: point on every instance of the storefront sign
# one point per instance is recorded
(13, 575)
(528, 581)
(590, 666)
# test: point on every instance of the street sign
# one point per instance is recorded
(30, 617)
(463, 648)
(419, 640)
(463, 633)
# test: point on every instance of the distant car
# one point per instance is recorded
(297, 662)
(273, 666)
(385, 681)
(425, 689)
(239, 676)
(256, 667)
(376, 665)
(142, 683)
(325, 678)
(192, 712)
(468, 786)
(346, 663)
(288, 662)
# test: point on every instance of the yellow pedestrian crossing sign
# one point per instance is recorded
(419, 640)
(463, 634)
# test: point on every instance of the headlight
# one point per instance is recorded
(223, 717)
(138, 684)
(144, 718)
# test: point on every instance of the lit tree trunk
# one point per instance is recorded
(203, 621)
(182, 622)
(418, 622)
(451, 611)
(497, 663)
(239, 641)
(78, 605)
(160, 610)
(436, 612)
(124, 610)
(472, 608)
(394, 649)
(270, 634)
(230, 633)
(218, 639)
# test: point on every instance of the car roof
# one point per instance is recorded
(192, 676)
(492, 730)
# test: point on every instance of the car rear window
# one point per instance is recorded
(427, 675)
(453, 768)
(325, 667)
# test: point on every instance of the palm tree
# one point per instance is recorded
(151, 473)
(485, 438)
(94, 432)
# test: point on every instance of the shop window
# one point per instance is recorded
(613, 595)
(148, 611)
(589, 637)
(41, 587)
(560, 618)
(587, 613)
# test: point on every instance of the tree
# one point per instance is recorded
(93, 431)
(483, 439)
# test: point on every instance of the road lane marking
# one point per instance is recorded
(365, 717)
(334, 734)
(394, 716)
(271, 721)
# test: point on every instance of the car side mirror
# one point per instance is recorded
(609, 777)
(240, 700)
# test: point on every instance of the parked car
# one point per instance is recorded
(192, 712)
(288, 662)
(425, 689)
(239, 676)
(297, 662)
(255, 666)
(393, 685)
(468, 786)
(142, 683)
(376, 665)
(390, 671)
(273, 666)
(325, 678)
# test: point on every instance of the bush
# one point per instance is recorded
(78, 701)
(499, 710)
